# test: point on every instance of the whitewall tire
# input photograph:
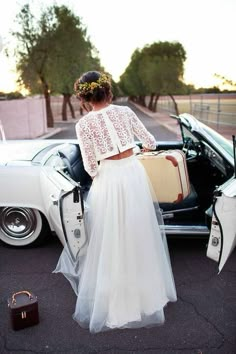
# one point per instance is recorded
(21, 226)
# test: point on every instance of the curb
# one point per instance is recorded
(68, 121)
(51, 133)
(54, 131)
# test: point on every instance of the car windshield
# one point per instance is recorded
(226, 144)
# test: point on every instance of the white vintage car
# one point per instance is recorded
(43, 184)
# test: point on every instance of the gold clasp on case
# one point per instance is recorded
(23, 314)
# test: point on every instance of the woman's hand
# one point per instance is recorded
(144, 149)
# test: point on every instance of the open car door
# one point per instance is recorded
(222, 240)
(65, 209)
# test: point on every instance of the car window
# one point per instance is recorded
(188, 135)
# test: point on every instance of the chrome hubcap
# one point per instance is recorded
(17, 223)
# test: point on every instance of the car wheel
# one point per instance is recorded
(21, 226)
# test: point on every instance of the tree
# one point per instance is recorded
(159, 71)
(73, 54)
(11, 95)
(52, 52)
(226, 81)
(116, 90)
(130, 81)
(32, 53)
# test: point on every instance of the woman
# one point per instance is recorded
(125, 278)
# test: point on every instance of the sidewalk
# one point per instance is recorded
(50, 133)
(57, 129)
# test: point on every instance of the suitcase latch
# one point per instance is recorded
(23, 314)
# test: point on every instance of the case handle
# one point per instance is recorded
(21, 292)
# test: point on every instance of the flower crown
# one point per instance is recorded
(89, 87)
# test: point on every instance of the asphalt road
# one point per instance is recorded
(203, 320)
(159, 131)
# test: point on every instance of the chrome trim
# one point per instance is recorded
(179, 210)
(186, 230)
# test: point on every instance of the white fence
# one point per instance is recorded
(216, 110)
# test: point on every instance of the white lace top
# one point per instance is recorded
(107, 132)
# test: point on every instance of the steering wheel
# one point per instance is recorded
(189, 145)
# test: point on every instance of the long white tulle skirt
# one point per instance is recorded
(125, 279)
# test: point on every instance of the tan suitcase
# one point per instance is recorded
(167, 171)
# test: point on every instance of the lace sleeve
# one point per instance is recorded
(141, 132)
(86, 147)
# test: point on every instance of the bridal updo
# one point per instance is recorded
(93, 86)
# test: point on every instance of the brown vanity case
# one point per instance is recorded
(23, 308)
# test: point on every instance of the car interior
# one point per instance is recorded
(206, 170)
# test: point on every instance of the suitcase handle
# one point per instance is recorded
(21, 292)
(151, 152)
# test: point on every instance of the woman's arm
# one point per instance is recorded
(147, 139)
(87, 149)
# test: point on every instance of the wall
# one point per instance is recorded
(23, 118)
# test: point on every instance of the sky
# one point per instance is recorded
(205, 28)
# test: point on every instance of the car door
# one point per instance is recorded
(222, 240)
(63, 201)
(223, 227)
